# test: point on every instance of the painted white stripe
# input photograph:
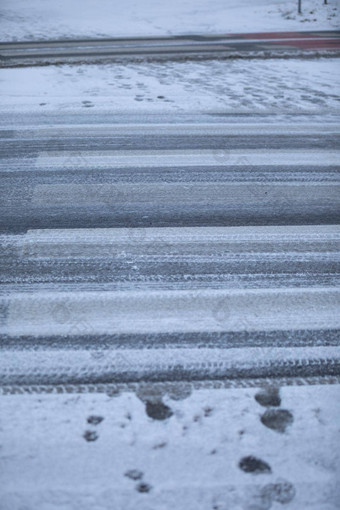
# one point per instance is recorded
(188, 234)
(172, 311)
(86, 362)
(109, 241)
(67, 160)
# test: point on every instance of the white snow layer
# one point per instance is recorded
(252, 85)
(100, 452)
(53, 19)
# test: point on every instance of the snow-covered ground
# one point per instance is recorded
(175, 447)
(53, 19)
(255, 85)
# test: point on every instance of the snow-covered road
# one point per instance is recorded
(154, 240)
(170, 309)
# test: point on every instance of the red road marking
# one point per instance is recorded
(326, 40)
(287, 35)
(311, 44)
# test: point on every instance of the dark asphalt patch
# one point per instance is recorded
(4, 305)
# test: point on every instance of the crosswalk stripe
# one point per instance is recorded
(69, 366)
(172, 311)
(170, 158)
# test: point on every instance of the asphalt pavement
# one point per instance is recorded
(278, 44)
